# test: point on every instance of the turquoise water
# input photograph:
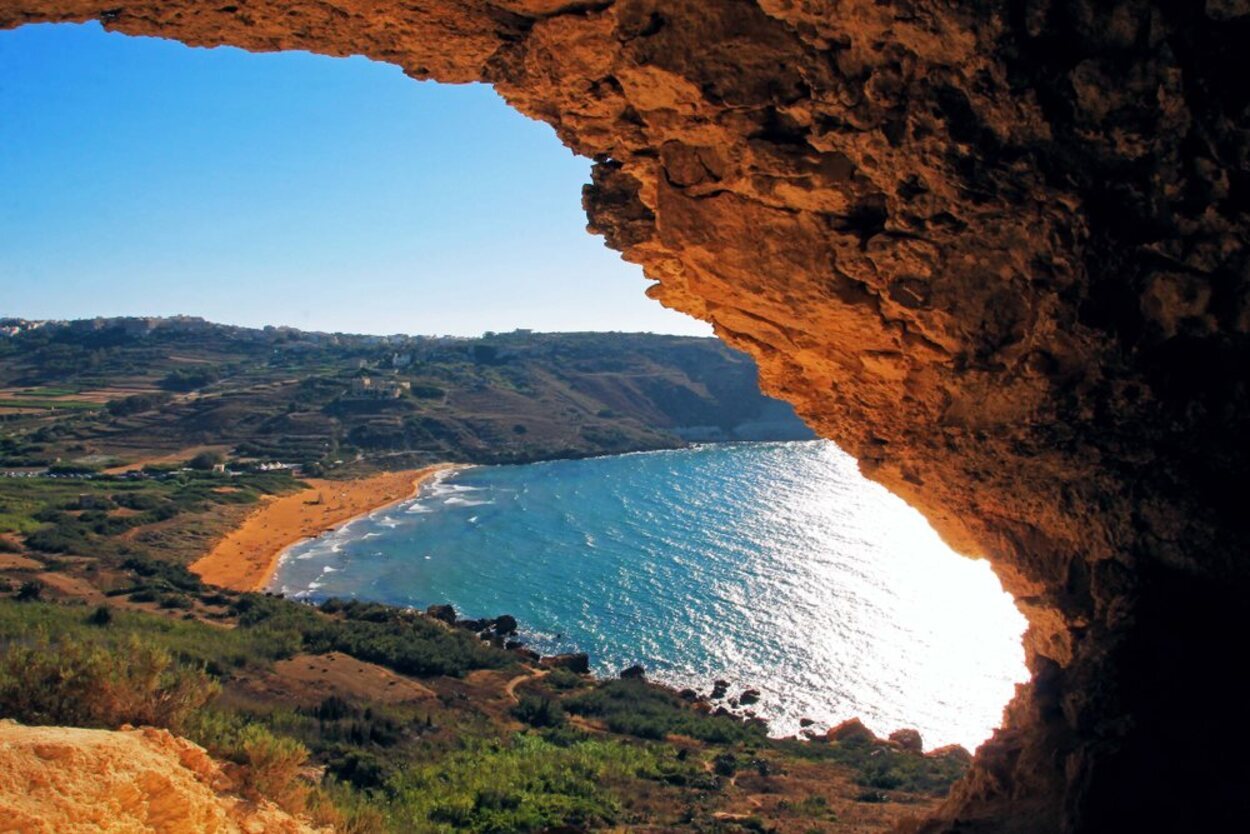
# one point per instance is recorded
(772, 565)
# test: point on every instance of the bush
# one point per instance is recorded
(273, 765)
(188, 379)
(400, 639)
(528, 784)
(635, 707)
(92, 684)
(538, 712)
(205, 461)
(174, 601)
(563, 679)
(29, 591)
(138, 403)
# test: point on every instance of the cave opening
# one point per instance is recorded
(964, 631)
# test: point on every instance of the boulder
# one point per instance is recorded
(955, 752)
(505, 624)
(852, 730)
(635, 672)
(719, 689)
(577, 662)
(442, 613)
(748, 697)
(908, 740)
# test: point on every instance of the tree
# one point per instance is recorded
(205, 461)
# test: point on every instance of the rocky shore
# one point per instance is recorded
(502, 632)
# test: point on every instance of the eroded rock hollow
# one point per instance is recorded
(997, 251)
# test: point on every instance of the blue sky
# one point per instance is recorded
(142, 177)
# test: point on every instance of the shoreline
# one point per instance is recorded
(247, 558)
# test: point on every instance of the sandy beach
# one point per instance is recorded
(247, 557)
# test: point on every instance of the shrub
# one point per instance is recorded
(273, 765)
(205, 461)
(400, 639)
(635, 707)
(538, 712)
(725, 764)
(563, 679)
(91, 684)
(174, 601)
(188, 379)
(528, 784)
(138, 403)
(29, 591)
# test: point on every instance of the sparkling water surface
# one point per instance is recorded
(771, 565)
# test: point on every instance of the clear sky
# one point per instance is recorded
(142, 177)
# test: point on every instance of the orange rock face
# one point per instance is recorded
(57, 780)
(997, 251)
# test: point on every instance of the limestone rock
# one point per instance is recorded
(635, 672)
(72, 781)
(577, 662)
(851, 730)
(908, 740)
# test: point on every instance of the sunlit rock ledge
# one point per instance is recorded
(60, 779)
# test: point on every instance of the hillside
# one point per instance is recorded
(353, 716)
(108, 392)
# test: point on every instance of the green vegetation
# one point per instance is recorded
(431, 766)
(526, 784)
(96, 682)
(51, 405)
(323, 400)
(89, 516)
(416, 726)
(403, 640)
(884, 768)
(637, 708)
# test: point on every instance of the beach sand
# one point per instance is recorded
(245, 560)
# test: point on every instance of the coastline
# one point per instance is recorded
(249, 555)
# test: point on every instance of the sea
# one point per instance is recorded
(774, 566)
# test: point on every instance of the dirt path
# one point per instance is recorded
(509, 688)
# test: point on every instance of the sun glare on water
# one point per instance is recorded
(931, 633)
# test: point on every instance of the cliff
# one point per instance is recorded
(998, 251)
(65, 781)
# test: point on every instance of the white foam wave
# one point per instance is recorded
(456, 501)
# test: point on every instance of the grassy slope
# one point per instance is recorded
(101, 623)
(288, 395)
(465, 758)
(470, 754)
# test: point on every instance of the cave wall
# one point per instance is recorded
(996, 250)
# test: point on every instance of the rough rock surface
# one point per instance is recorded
(55, 780)
(996, 250)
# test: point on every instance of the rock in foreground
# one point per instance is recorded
(72, 781)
